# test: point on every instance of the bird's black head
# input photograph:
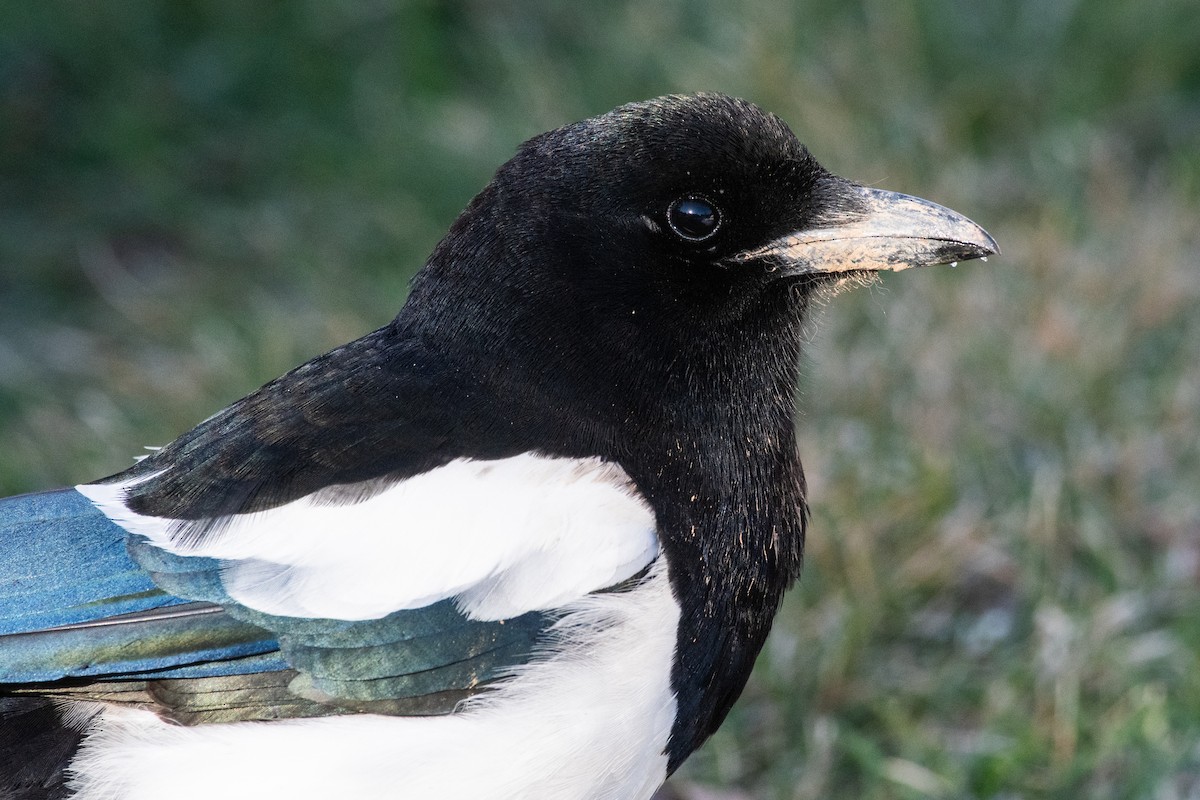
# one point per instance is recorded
(656, 246)
(668, 189)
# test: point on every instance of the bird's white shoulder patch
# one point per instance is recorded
(502, 537)
(588, 719)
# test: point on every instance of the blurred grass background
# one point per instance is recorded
(1001, 598)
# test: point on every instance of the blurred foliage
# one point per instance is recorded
(1002, 589)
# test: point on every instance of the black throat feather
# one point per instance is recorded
(728, 490)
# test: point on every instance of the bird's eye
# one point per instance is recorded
(693, 218)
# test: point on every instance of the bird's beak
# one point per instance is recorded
(883, 231)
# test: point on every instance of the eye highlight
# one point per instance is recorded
(693, 218)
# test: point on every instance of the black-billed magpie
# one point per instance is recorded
(524, 541)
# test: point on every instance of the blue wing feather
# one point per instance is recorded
(62, 562)
(404, 654)
(82, 598)
(74, 604)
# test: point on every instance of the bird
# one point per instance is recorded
(525, 540)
